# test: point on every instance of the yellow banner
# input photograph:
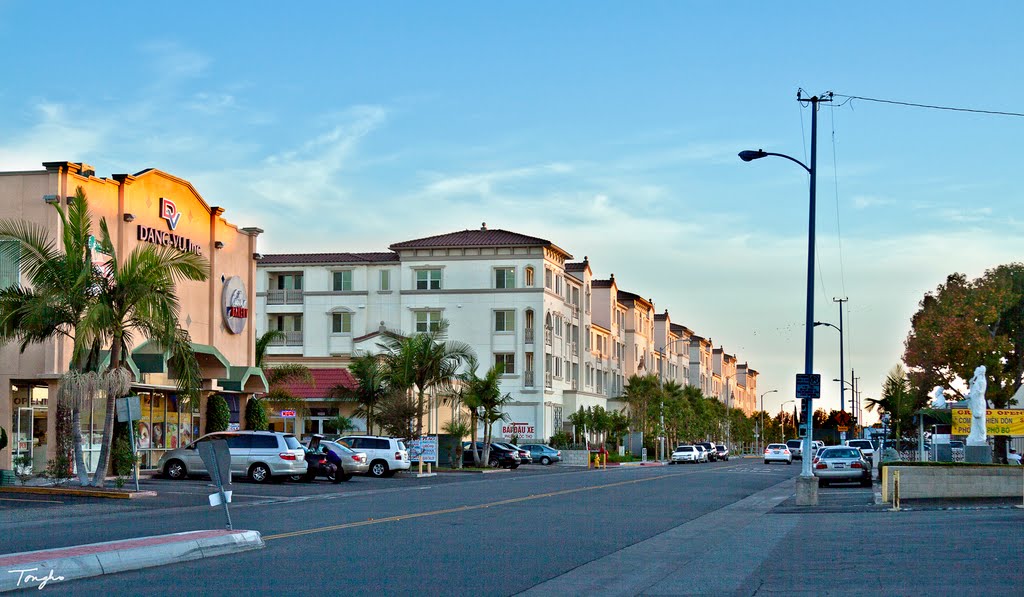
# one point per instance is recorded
(997, 421)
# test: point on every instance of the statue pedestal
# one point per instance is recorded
(978, 454)
(806, 491)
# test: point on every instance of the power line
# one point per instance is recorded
(839, 231)
(929, 106)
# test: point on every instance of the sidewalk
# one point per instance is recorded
(37, 569)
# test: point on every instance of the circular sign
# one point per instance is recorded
(235, 303)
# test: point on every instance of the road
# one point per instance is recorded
(718, 528)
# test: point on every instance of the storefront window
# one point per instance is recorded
(166, 423)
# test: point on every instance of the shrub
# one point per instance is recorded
(3, 438)
(58, 469)
(560, 440)
(122, 458)
(218, 416)
(23, 468)
(255, 415)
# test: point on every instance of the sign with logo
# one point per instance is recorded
(425, 446)
(808, 386)
(520, 430)
(997, 421)
(235, 303)
(169, 212)
(288, 414)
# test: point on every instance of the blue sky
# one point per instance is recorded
(609, 128)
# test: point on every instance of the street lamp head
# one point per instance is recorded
(749, 155)
(817, 323)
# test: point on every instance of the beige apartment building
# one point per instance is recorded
(150, 206)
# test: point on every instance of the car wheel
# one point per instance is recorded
(378, 468)
(822, 483)
(175, 469)
(259, 473)
(545, 460)
(865, 482)
(514, 466)
(766, 462)
(340, 476)
(295, 478)
(789, 462)
(493, 463)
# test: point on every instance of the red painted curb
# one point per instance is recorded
(93, 548)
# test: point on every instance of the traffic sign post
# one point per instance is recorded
(129, 410)
(217, 458)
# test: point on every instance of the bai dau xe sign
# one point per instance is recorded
(520, 430)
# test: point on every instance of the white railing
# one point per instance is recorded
(290, 339)
(284, 297)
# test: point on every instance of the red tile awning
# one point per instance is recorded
(323, 381)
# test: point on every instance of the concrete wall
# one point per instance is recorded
(922, 482)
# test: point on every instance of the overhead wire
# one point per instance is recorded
(835, 178)
(850, 98)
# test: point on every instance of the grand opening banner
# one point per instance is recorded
(997, 421)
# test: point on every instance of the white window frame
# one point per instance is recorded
(340, 314)
(508, 318)
(429, 323)
(505, 357)
(334, 280)
(384, 280)
(429, 281)
(505, 279)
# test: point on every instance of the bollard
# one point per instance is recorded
(895, 491)
(1022, 495)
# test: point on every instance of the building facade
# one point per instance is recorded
(148, 207)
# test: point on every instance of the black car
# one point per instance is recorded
(498, 456)
(723, 452)
(711, 449)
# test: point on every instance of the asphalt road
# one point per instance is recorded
(719, 528)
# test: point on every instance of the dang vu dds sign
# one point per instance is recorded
(520, 430)
(169, 212)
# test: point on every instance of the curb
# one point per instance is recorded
(96, 493)
(470, 472)
(36, 569)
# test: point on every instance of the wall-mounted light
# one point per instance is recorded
(218, 245)
(257, 256)
(129, 217)
(51, 198)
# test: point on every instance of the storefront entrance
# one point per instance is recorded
(28, 428)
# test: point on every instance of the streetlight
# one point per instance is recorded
(782, 420)
(664, 353)
(760, 443)
(842, 365)
(807, 485)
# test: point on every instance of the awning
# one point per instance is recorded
(245, 379)
(127, 359)
(151, 359)
(323, 381)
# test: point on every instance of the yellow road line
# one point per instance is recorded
(349, 525)
(24, 500)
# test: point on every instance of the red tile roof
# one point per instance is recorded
(307, 258)
(477, 238)
(323, 381)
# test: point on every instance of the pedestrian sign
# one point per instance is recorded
(808, 386)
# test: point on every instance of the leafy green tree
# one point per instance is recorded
(483, 396)
(425, 361)
(256, 415)
(279, 376)
(372, 386)
(218, 415)
(898, 400)
(394, 414)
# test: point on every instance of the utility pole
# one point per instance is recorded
(842, 365)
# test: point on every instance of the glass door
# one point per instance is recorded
(23, 437)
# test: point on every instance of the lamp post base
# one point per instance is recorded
(806, 491)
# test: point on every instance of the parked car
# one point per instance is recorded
(543, 454)
(352, 462)
(709, 447)
(497, 456)
(702, 453)
(261, 455)
(778, 453)
(865, 445)
(387, 455)
(842, 464)
(796, 448)
(723, 452)
(815, 446)
(524, 455)
(685, 453)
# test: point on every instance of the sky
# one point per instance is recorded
(608, 128)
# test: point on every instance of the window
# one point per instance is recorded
(547, 277)
(528, 275)
(263, 442)
(10, 264)
(428, 279)
(504, 321)
(343, 281)
(286, 323)
(558, 285)
(289, 282)
(507, 360)
(427, 321)
(505, 277)
(385, 279)
(576, 296)
(558, 368)
(341, 323)
(558, 326)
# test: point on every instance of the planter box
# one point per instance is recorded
(7, 477)
(952, 482)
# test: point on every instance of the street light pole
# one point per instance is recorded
(761, 443)
(783, 420)
(809, 321)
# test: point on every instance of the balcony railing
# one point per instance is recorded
(547, 379)
(528, 378)
(575, 349)
(284, 297)
(290, 339)
(528, 333)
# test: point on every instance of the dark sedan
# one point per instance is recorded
(723, 452)
(497, 457)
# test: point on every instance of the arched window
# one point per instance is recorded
(528, 277)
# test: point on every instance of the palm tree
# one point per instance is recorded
(482, 395)
(897, 399)
(278, 375)
(426, 361)
(137, 296)
(371, 386)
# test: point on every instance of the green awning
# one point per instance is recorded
(127, 359)
(151, 359)
(245, 379)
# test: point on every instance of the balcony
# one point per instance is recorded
(528, 335)
(284, 297)
(575, 349)
(290, 339)
(547, 337)
(547, 379)
(528, 378)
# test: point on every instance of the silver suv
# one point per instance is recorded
(260, 455)
(796, 448)
(387, 455)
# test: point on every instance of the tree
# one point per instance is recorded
(458, 428)
(218, 415)
(426, 361)
(641, 392)
(482, 395)
(898, 400)
(256, 415)
(371, 386)
(966, 323)
(394, 412)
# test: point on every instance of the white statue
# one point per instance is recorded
(976, 402)
(938, 397)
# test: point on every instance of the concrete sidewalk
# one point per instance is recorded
(38, 569)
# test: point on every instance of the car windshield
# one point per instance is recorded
(776, 447)
(684, 449)
(841, 453)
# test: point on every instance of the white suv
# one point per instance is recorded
(865, 445)
(386, 454)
